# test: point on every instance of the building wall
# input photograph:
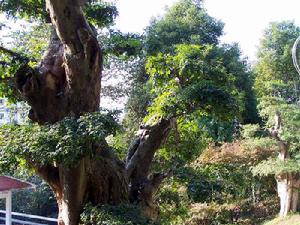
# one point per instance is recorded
(12, 113)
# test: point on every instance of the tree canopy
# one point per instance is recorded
(277, 85)
(185, 22)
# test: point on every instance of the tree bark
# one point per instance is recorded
(67, 83)
(98, 180)
(95, 181)
(138, 161)
(288, 192)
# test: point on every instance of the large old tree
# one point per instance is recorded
(65, 144)
(67, 83)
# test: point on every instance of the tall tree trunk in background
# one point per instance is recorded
(288, 184)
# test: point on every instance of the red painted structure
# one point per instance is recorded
(9, 183)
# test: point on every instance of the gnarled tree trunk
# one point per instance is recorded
(288, 192)
(67, 83)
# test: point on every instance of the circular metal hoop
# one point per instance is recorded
(294, 55)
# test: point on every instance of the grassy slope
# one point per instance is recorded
(289, 220)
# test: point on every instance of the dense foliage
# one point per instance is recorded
(194, 78)
(176, 70)
(185, 22)
(98, 12)
(63, 142)
(277, 85)
(113, 215)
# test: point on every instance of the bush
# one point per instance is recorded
(250, 131)
(242, 212)
(124, 214)
(173, 203)
(211, 214)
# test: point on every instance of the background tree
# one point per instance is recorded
(176, 76)
(161, 36)
(277, 87)
(185, 22)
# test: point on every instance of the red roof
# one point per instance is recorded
(9, 183)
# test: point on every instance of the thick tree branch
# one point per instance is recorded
(72, 29)
(68, 18)
(150, 187)
(148, 140)
(157, 178)
(82, 56)
(138, 162)
(49, 173)
(274, 133)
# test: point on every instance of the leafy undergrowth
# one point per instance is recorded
(289, 220)
(242, 213)
(124, 214)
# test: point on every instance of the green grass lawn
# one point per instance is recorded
(289, 220)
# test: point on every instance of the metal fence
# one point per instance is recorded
(27, 219)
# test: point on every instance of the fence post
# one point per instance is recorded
(8, 205)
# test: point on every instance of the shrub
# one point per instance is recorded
(242, 212)
(124, 214)
(173, 203)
